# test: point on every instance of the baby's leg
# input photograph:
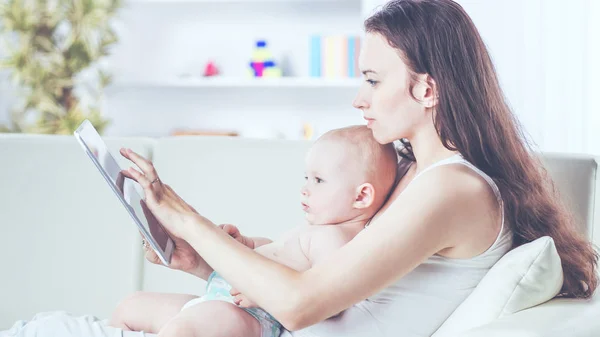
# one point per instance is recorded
(212, 319)
(146, 311)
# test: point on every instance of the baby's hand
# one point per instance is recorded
(234, 232)
(241, 300)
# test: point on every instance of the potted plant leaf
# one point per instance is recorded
(53, 51)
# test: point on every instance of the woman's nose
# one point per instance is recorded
(359, 102)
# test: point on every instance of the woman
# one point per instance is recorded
(471, 191)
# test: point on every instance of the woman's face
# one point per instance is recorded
(384, 96)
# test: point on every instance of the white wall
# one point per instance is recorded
(163, 40)
(545, 52)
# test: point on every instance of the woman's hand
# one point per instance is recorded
(184, 257)
(169, 209)
(163, 206)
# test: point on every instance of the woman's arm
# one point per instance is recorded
(418, 224)
(203, 270)
(257, 242)
(432, 214)
(186, 259)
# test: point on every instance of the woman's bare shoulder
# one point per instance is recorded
(464, 203)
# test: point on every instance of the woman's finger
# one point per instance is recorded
(145, 165)
(153, 195)
(131, 173)
(137, 176)
(151, 256)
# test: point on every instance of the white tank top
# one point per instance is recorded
(419, 302)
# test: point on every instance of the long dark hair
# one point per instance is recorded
(437, 37)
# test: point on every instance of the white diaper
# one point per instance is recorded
(217, 289)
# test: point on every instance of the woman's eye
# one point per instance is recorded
(318, 180)
(371, 82)
(305, 178)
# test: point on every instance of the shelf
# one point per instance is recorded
(234, 82)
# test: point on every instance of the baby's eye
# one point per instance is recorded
(318, 180)
(305, 178)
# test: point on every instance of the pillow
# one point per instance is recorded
(526, 276)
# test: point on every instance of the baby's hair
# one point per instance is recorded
(379, 160)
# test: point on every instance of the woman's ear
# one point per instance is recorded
(425, 91)
(365, 195)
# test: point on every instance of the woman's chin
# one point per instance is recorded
(381, 137)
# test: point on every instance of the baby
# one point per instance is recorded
(348, 178)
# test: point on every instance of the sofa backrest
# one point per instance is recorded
(577, 179)
(66, 240)
(69, 245)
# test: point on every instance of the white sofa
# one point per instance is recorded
(67, 243)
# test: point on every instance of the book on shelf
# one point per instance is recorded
(334, 56)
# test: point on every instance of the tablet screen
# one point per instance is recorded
(125, 186)
(139, 208)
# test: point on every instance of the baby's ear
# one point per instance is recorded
(365, 194)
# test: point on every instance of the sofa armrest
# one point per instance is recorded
(556, 318)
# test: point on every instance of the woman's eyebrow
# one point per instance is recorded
(366, 71)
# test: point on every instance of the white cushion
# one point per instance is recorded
(525, 277)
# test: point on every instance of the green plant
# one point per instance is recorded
(54, 50)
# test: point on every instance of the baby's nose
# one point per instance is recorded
(304, 191)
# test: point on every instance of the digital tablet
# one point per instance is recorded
(125, 190)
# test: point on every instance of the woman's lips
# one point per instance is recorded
(369, 121)
(305, 207)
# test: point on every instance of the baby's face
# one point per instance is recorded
(330, 187)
